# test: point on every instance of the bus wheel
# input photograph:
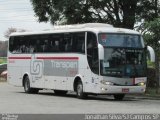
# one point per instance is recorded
(27, 87)
(60, 92)
(119, 96)
(79, 91)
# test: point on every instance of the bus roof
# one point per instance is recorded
(93, 27)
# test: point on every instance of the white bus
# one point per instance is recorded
(91, 58)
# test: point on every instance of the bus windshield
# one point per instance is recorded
(124, 56)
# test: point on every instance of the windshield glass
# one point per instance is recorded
(123, 62)
(124, 55)
(120, 40)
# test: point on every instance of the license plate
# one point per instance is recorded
(125, 90)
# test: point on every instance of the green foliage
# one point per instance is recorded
(154, 26)
(152, 34)
(152, 37)
(150, 64)
(151, 80)
(151, 92)
(148, 10)
(119, 13)
(3, 60)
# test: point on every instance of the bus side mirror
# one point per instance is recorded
(101, 52)
(151, 53)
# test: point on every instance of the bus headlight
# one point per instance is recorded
(141, 84)
(106, 82)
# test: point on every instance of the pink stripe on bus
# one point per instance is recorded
(19, 57)
(47, 58)
(58, 58)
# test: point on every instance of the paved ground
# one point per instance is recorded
(14, 100)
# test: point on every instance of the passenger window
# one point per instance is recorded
(61, 42)
(79, 42)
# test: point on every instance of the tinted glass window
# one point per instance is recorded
(79, 42)
(120, 62)
(62, 42)
(21, 44)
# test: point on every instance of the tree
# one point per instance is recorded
(4, 45)
(147, 11)
(3, 48)
(9, 31)
(120, 13)
(150, 28)
(152, 37)
(12, 30)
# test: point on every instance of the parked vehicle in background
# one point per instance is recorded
(3, 71)
(3, 67)
(4, 74)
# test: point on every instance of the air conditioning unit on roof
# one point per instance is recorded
(86, 25)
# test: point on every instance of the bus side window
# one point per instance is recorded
(11, 44)
(68, 46)
(56, 47)
(92, 52)
(17, 44)
(79, 42)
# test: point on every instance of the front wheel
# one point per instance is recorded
(119, 96)
(79, 91)
(27, 87)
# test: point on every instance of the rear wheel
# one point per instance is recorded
(60, 92)
(119, 96)
(79, 91)
(27, 87)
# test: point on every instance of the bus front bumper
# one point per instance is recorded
(109, 89)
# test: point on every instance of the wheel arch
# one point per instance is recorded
(25, 75)
(76, 80)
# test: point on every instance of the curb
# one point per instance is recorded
(144, 97)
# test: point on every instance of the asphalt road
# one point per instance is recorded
(14, 100)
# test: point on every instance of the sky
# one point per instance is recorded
(19, 14)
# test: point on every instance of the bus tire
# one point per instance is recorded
(79, 91)
(119, 96)
(60, 92)
(27, 87)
